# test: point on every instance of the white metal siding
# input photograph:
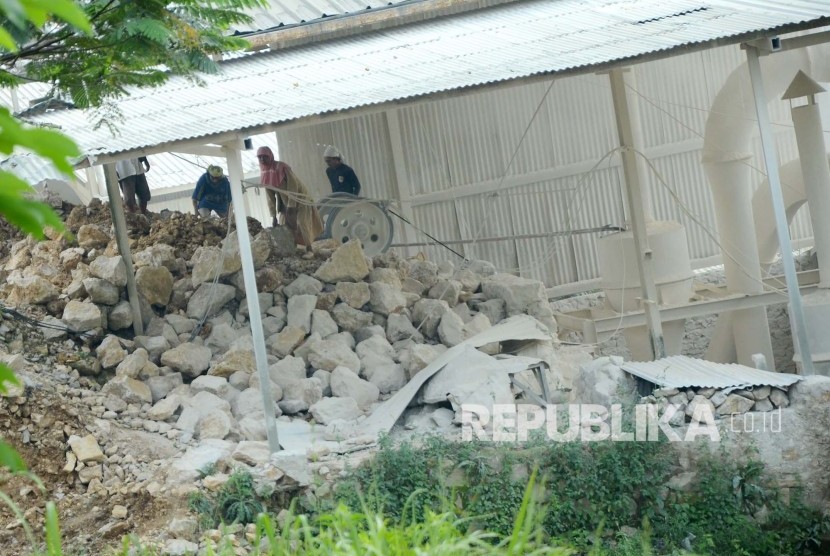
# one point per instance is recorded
(453, 145)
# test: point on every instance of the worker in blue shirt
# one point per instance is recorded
(212, 194)
(341, 177)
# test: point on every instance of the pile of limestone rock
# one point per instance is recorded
(342, 331)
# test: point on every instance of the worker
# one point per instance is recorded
(212, 194)
(282, 184)
(133, 182)
(341, 176)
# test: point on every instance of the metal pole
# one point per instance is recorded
(120, 225)
(771, 164)
(235, 174)
(637, 212)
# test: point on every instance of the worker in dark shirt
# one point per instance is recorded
(341, 177)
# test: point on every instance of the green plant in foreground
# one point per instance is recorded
(235, 502)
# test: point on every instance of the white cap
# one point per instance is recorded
(331, 152)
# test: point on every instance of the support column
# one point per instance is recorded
(813, 156)
(393, 126)
(119, 222)
(233, 155)
(771, 164)
(637, 211)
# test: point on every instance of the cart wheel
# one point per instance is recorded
(364, 221)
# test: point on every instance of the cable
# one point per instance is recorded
(439, 242)
(218, 270)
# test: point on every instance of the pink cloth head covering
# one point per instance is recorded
(272, 172)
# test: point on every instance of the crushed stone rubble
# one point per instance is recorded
(146, 414)
(177, 409)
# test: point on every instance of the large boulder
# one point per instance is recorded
(446, 290)
(353, 294)
(521, 296)
(234, 361)
(330, 354)
(322, 324)
(91, 236)
(300, 308)
(160, 254)
(399, 327)
(155, 283)
(427, 314)
(349, 318)
(347, 264)
(209, 299)
(132, 364)
(33, 290)
(189, 359)
(110, 353)
(101, 291)
(303, 285)
(209, 261)
(285, 341)
(388, 376)
(604, 383)
(330, 409)
(81, 316)
(111, 269)
(425, 272)
(121, 316)
(451, 329)
(129, 390)
(346, 384)
(386, 299)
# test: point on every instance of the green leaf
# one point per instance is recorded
(10, 459)
(7, 375)
(53, 531)
(30, 216)
(66, 10)
(7, 41)
(13, 10)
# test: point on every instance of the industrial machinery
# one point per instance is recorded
(349, 218)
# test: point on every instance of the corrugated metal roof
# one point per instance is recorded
(292, 12)
(31, 168)
(482, 47)
(685, 372)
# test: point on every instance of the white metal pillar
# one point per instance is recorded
(119, 222)
(233, 154)
(771, 164)
(813, 158)
(637, 211)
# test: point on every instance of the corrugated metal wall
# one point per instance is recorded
(532, 159)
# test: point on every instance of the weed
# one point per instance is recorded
(235, 502)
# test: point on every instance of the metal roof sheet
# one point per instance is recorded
(492, 45)
(685, 372)
(292, 12)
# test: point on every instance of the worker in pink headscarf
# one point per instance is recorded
(284, 189)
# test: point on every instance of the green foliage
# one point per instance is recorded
(121, 44)
(235, 502)
(592, 492)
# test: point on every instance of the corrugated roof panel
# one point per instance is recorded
(491, 45)
(291, 12)
(685, 372)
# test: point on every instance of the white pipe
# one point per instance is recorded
(727, 147)
(771, 163)
(816, 174)
(236, 174)
(119, 222)
(794, 197)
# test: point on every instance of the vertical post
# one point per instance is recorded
(633, 188)
(813, 155)
(235, 175)
(771, 165)
(393, 126)
(120, 225)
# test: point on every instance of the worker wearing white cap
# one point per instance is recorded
(212, 193)
(341, 177)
